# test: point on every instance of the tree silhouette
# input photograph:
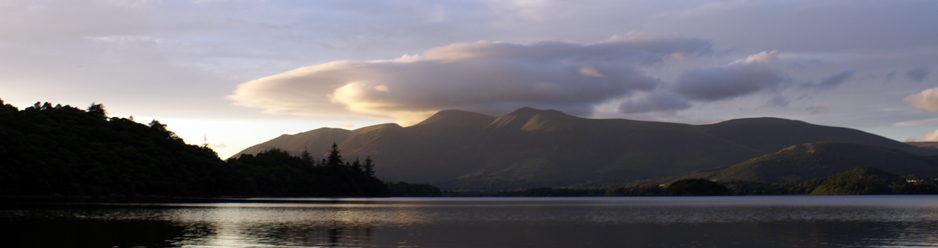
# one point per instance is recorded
(695, 187)
(369, 167)
(306, 156)
(97, 110)
(70, 152)
(155, 125)
(357, 166)
(334, 159)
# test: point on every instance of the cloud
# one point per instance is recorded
(926, 100)
(778, 101)
(754, 73)
(890, 76)
(930, 136)
(918, 74)
(915, 123)
(836, 79)
(587, 71)
(818, 108)
(488, 77)
(655, 101)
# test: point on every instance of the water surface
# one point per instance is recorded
(736, 221)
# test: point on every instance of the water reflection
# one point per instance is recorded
(800, 221)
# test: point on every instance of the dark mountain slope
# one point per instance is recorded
(817, 160)
(769, 135)
(534, 148)
(297, 143)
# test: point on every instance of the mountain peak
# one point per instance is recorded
(528, 111)
(457, 118)
(758, 121)
(530, 119)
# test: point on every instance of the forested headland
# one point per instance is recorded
(64, 151)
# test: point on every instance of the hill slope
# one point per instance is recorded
(817, 160)
(63, 151)
(533, 148)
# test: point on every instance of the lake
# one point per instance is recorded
(733, 221)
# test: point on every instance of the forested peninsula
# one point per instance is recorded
(66, 152)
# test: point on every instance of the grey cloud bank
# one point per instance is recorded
(836, 79)
(918, 74)
(744, 76)
(488, 77)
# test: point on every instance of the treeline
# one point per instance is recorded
(533, 192)
(277, 173)
(402, 189)
(858, 181)
(65, 151)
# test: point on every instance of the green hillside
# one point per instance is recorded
(817, 160)
(458, 150)
(860, 181)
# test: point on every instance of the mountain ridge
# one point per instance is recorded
(816, 160)
(461, 150)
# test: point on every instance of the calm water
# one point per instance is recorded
(774, 221)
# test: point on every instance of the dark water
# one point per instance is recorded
(774, 221)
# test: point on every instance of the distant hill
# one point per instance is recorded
(860, 181)
(817, 160)
(459, 150)
(926, 144)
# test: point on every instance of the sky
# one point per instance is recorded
(232, 74)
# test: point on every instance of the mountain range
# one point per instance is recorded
(459, 150)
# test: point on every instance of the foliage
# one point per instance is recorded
(635, 190)
(859, 181)
(918, 189)
(695, 187)
(402, 189)
(547, 191)
(66, 151)
(761, 188)
(277, 173)
(533, 192)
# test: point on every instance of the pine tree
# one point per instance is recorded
(334, 160)
(357, 166)
(306, 156)
(369, 167)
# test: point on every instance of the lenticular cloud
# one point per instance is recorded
(488, 77)
(927, 100)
